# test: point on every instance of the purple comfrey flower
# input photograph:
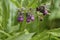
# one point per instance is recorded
(28, 19)
(28, 15)
(20, 18)
(45, 12)
(42, 8)
(32, 17)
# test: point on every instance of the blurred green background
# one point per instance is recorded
(11, 29)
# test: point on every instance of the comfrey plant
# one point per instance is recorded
(30, 16)
(29, 19)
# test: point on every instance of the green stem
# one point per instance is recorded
(5, 33)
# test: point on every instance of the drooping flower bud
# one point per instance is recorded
(27, 20)
(40, 8)
(40, 18)
(20, 18)
(32, 17)
(28, 17)
(45, 12)
(37, 9)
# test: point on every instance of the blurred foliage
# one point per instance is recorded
(11, 29)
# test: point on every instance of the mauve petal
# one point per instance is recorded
(28, 20)
(20, 19)
(45, 12)
(32, 18)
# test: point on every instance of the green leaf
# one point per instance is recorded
(22, 37)
(41, 36)
(25, 3)
(44, 1)
(54, 5)
(12, 18)
(16, 3)
(55, 32)
(5, 13)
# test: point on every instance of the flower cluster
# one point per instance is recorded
(30, 16)
(20, 17)
(42, 9)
